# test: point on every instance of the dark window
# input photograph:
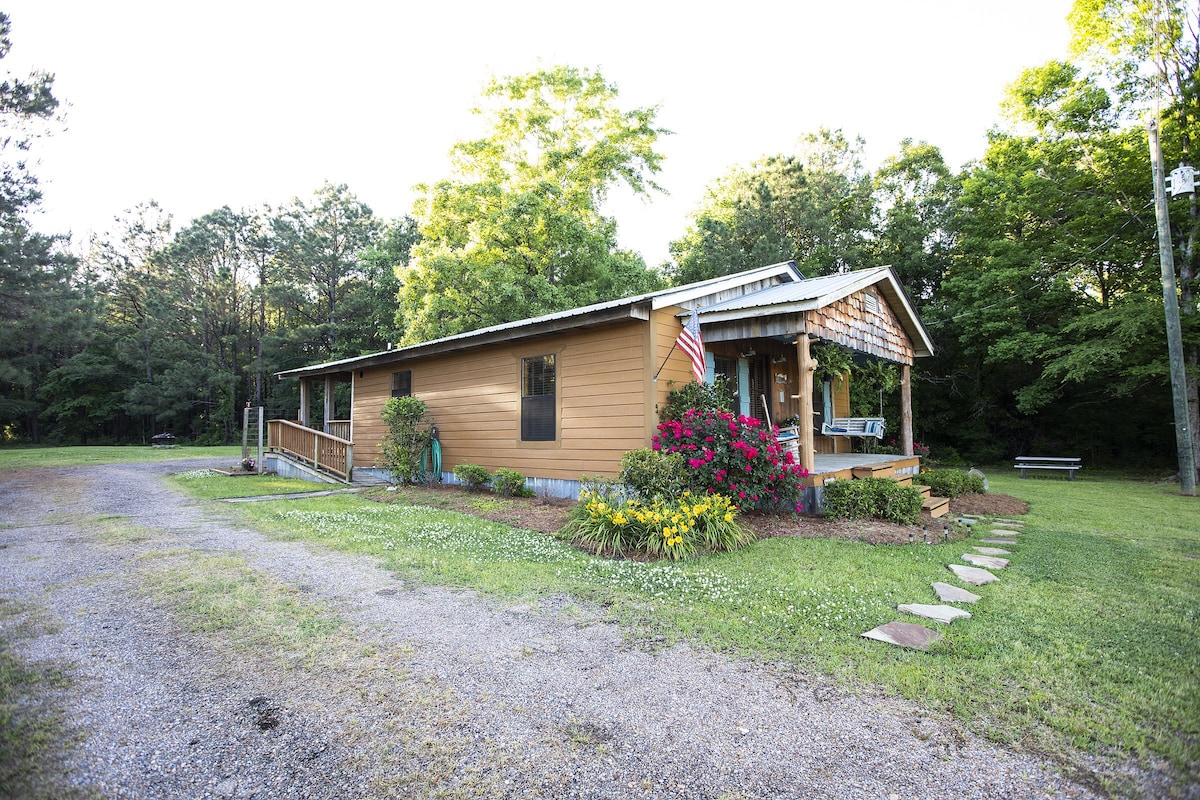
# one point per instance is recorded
(402, 383)
(537, 399)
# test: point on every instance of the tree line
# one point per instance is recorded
(1034, 268)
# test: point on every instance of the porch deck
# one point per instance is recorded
(841, 466)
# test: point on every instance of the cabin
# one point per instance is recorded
(567, 394)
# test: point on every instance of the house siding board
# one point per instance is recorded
(848, 322)
(474, 399)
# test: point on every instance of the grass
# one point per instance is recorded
(1089, 644)
(32, 729)
(209, 485)
(29, 457)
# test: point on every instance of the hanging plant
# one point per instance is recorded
(834, 362)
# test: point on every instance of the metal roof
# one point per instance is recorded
(585, 316)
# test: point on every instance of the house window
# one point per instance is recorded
(538, 379)
(402, 383)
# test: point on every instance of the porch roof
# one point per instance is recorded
(814, 293)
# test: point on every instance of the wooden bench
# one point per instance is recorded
(854, 426)
(1046, 462)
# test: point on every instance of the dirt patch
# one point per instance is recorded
(549, 515)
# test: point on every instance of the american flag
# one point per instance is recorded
(691, 343)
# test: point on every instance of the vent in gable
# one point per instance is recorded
(870, 302)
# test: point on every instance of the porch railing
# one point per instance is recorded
(339, 428)
(332, 454)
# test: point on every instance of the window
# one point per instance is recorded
(402, 383)
(538, 399)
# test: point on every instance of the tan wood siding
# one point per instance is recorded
(474, 398)
(864, 322)
(677, 371)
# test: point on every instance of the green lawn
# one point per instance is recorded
(1090, 643)
(27, 457)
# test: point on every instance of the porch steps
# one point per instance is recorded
(874, 471)
(903, 479)
(936, 506)
(924, 490)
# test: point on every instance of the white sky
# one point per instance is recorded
(245, 102)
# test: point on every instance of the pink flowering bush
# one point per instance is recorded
(738, 457)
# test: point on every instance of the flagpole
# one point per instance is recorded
(660, 366)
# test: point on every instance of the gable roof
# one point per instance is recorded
(637, 307)
(814, 293)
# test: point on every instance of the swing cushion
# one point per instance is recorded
(854, 426)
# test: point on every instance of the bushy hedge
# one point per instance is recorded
(472, 476)
(653, 473)
(873, 497)
(951, 482)
(510, 483)
(675, 528)
(734, 456)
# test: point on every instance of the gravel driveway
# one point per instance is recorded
(416, 691)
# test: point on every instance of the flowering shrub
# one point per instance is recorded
(668, 528)
(735, 456)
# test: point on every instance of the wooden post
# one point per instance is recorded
(330, 414)
(807, 367)
(906, 418)
(305, 390)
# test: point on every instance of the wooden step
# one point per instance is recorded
(874, 471)
(924, 490)
(901, 478)
(936, 506)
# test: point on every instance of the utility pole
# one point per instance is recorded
(1166, 257)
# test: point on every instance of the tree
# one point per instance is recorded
(44, 310)
(319, 268)
(1149, 49)
(1046, 310)
(915, 194)
(814, 208)
(516, 231)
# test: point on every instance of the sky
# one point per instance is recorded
(250, 102)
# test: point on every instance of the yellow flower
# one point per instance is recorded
(729, 516)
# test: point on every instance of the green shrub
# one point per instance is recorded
(653, 473)
(510, 483)
(472, 476)
(951, 482)
(404, 443)
(716, 396)
(669, 528)
(873, 497)
(736, 456)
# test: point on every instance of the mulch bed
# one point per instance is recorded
(548, 515)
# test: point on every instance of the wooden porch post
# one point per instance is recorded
(329, 412)
(807, 367)
(305, 390)
(906, 418)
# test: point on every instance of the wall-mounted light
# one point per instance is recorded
(749, 353)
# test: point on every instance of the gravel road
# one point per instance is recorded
(418, 691)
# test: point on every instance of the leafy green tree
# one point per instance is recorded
(1150, 51)
(1044, 314)
(915, 193)
(814, 208)
(516, 231)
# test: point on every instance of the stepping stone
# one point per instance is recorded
(1010, 521)
(904, 634)
(991, 562)
(973, 575)
(992, 551)
(968, 520)
(948, 593)
(946, 614)
(998, 540)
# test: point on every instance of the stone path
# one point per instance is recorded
(983, 561)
